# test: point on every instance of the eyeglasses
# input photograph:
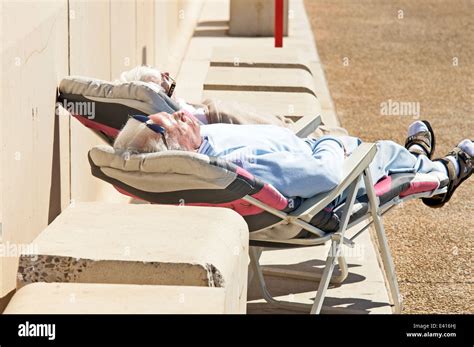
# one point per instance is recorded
(172, 86)
(149, 123)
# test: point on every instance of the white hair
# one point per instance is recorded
(142, 73)
(135, 137)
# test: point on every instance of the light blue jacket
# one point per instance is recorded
(294, 166)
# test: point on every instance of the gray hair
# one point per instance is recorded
(142, 73)
(135, 137)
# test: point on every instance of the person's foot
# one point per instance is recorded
(421, 139)
(459, 165)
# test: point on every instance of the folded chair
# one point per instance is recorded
(177, 177)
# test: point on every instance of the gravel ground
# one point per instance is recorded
(370, 56)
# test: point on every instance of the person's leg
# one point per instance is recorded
(459, 164)
(423, 129)
(392, 158)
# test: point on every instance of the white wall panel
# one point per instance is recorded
(90, 55)
(123, 36)
(34, 186)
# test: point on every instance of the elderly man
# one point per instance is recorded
(295, 166)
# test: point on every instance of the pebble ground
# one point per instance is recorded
(410, 51)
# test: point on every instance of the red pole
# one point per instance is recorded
(278, 23)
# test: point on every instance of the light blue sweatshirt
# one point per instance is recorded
(303, 167)
(294, 166)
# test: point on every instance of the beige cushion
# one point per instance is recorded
(162, 171)
(143, 96)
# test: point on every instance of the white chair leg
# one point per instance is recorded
(386, 256)
(334, 251)
(343, 269)
(388, 265)
(257, 273)
(252, 277)
(254, 259)
(324, 283)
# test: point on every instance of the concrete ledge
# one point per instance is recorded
(276, 103)
(276, 81)
(260, 79)
(321, 87)
(79, 298)
(270, 56)
(143, 244)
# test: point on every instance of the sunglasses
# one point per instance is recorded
(149, 123)
(172, 85)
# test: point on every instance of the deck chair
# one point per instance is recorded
(105, 107)
(112, 104)
(176, 177)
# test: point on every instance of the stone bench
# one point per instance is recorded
(143, 244)
(277, 81)
(93, 298)
(245, 56)
(283, 80)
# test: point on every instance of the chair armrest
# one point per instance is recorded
(353, 167)
(306, 126)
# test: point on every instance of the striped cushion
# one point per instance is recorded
(179, 177)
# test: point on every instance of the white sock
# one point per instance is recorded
(414, 128)
(467, 146)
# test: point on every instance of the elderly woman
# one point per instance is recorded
(212, 111)
(296, 167)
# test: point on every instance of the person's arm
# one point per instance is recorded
(295, 174)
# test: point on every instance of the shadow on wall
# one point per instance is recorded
(55, 188)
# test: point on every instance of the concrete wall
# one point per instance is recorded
(34, 142)
(255, 18)
(44, 157)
